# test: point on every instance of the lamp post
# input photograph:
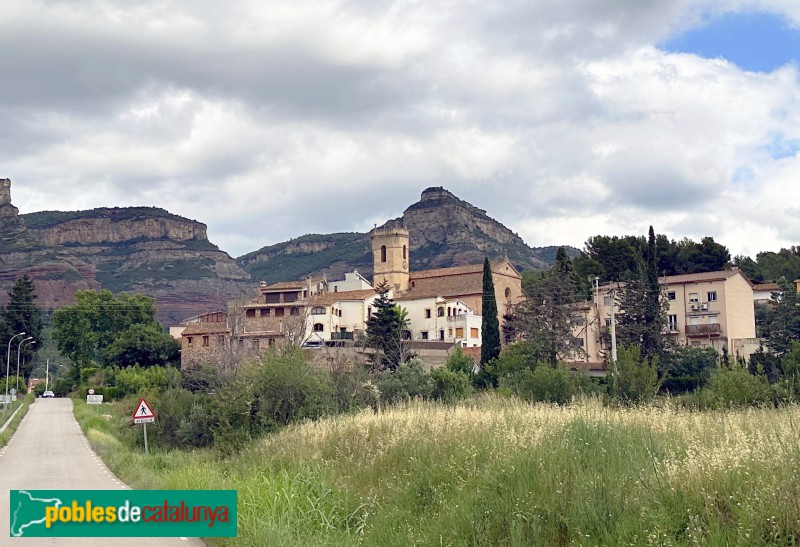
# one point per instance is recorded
(47, 375)
(8, 364)
(19, 347)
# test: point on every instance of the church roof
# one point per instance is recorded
(497, 268)
(334, 297)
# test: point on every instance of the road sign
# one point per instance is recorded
(91, 391)
(143, 414)
(94, 399)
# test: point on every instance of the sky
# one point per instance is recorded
(265, 120)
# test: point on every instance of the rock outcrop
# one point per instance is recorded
(445, 231)
(142, 250)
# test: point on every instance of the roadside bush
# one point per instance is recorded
(408, 381)
(450, 386)
(134, 380)
(685, 368)
(287, 388)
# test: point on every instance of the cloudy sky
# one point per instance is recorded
(269, 120)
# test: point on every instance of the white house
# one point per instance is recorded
(441, 319)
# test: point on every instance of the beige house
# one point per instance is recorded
(442, 319)
(712, 309)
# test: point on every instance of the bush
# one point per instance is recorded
(634, 379)
(450, 386)
(408, 381)
(547, 384)
(458, 362)
(512, 364)
(134, 380)
(736, 387)
(685, 368)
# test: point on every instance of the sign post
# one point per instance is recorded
(143, 415)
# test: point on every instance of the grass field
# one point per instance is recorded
(9, 431)
(497, 471)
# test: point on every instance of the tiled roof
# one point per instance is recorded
(459, 270)
(701, 277)
(283, 285)
(333, 297)
(771, 287)
(205, 328)
(446, 287)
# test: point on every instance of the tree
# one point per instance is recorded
(635, 378)
(143, 345)
(784, 318)
(96, 328)
(490, 327)
(547, 320)
(385, 331)
(22, 315)
(642, 307)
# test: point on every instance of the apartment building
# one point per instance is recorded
(711, 309)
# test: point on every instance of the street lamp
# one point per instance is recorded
(8, 364)
(47, 375)
(19, 347)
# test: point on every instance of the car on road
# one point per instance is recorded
(48, 394)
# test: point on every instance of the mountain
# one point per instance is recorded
(444, 231)
(142, 250)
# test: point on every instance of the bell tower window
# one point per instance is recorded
(383, 253)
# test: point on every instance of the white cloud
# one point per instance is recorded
(267, 120)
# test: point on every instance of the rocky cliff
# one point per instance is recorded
(444, 230)
(137, 249)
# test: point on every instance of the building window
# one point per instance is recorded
(188, 340)
(383, 253)
(440, 311)
(508, 293)
(290, 297)
(369, 312)
(459, 332)
(250, 313)
(205, 341)
(441, 335)
(255, 343)
(241, 343)
(294, 310)
(608, 322)
(221, 340)
(712, 296)
(272, 298)
(450, 331)
(427, 313)
(404, 252)
(336, 288)
(673, 322)
(577, 342)
(693, 297)
(473, 332)
(271, 342)
(607, 300)
(406, 335)
(340, 313)
(317, 310)
(671, 295)
(265, 312)
(319, 327)
(279, 312)
(423, 335)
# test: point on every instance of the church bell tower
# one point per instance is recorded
(390, 258)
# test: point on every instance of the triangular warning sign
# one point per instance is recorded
(143, 410)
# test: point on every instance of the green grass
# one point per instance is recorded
(496, 471)
(12, 427)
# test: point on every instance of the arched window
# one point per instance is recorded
(404, 252)
(317, 310)
(440, 312)
(383, 253)
(319, 327)
(508, 292)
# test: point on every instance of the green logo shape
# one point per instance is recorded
(122, 513)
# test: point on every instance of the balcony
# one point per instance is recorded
(714, 329)
(341, 336)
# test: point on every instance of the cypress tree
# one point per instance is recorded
(490, 343)
(22, 315)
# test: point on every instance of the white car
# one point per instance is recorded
(48, 394)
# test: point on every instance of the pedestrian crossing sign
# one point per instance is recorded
(144, 414)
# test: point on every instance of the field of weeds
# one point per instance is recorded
(497, 471)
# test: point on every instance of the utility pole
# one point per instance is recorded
(47, 375)
(613, 327)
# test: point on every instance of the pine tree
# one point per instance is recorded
(385, 330)
(22, 315)
(490, 327)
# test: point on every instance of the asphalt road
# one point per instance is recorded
(49, 452)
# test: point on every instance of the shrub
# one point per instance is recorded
(458, 362)
(686, 368)
(547, 384)
(634, 379)
(450, 386)
(512, 364)
(736, 387)
(134, 380)
(408, 381)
